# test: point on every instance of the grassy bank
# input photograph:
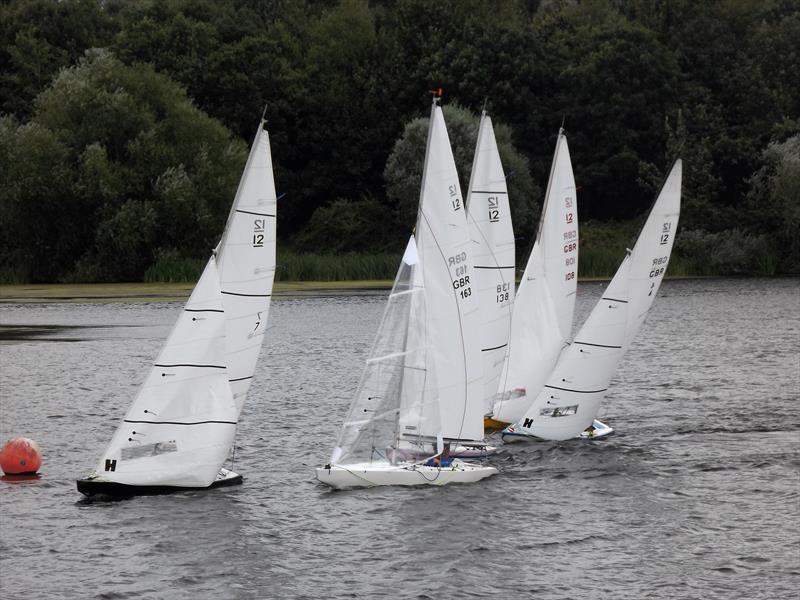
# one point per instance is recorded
(158, 292)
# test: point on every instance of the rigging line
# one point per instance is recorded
(181, 422)
(190, 365)
(249, 212)
(614, 300)
(240, 379)
(552, 387)
(596, 345)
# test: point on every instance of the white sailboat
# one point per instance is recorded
(541, 320)
(421, 389)
(570, 400)
(181, 426)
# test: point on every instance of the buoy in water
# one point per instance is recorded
(20, 456)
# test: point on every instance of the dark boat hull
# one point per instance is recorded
(96, 487)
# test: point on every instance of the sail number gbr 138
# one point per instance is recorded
(461, 282)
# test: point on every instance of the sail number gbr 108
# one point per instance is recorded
(461, 282)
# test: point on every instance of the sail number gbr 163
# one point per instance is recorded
(461, 281)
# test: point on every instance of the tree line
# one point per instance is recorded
(124, 125)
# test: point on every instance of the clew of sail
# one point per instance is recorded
(181, 424)
(492, 235)
(571, 399)
(544, 306)
(246, 259)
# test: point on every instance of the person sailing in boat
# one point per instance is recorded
(441, 460)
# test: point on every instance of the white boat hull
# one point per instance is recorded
(375, 474)
(601, 430)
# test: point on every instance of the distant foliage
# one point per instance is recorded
(115, 166)
(119, 151)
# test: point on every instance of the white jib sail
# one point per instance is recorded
(590, 362)
(492, 234)
(544, 306)
(393, 378)
(182, 422)
(246, 258)
(453, 368)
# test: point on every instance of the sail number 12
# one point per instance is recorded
(259, 226)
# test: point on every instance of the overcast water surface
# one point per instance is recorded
(697, 495)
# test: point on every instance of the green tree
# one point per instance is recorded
(120, 166)
(39, 37)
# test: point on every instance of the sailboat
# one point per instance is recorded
(492, 235)
(181, 426)
(544, 306)
(571, 398)
(421, 389)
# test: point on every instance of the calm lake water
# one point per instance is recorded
(696, 496)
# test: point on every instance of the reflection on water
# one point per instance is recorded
(696, 495)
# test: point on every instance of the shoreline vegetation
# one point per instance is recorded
(98, 293)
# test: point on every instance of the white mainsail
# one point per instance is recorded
(541, 320)
(246, 259)
(179, 430)
(492, 234)
(453, 343)
(570, 400)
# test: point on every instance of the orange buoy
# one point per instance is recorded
(20, 456)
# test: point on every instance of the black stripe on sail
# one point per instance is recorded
(596, 345)
(180, 422)
(552, 387)
(240, 379)
(248, 295)
(191, 365)
(249, 212)
(615, 300)
(479, 267)
(204, 310)
(488, 192)
(495, 348)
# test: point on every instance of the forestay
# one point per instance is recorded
(246, 257)
(574, 391)
(492, 235)
(181, 424)
(544, 306)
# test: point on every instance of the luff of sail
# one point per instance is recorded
(492, 235)
(544, 306)
(587, 366)
(182, 422)
(246, 258)
(453, 374)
